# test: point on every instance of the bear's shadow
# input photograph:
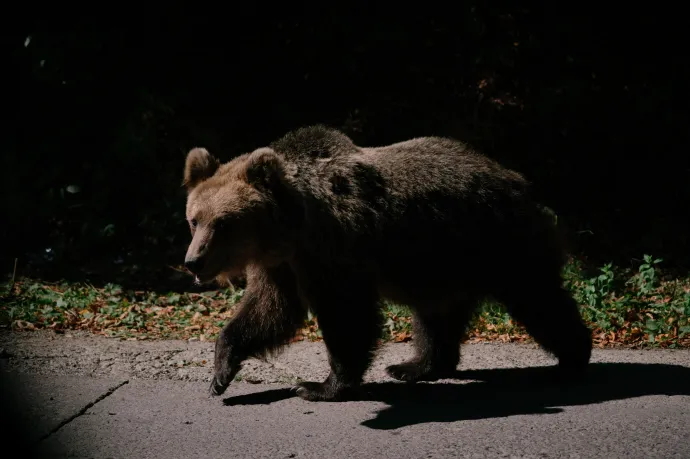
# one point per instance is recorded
(502, 392)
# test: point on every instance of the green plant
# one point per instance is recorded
(595, 291)
(398, 323)
(647, 279)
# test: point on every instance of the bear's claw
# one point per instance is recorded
(217, 388)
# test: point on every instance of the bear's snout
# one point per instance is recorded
(194, 264)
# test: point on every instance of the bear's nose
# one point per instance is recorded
(194, 264)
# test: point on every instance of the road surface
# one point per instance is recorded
(77, 395)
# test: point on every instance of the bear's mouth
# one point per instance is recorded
(204, 278)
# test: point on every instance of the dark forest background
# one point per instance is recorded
(588, 104)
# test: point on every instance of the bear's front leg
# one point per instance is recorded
(268, 316)
(351, 326)
(226, 364)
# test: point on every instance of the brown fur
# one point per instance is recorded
(321, 224)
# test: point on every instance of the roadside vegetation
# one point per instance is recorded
(635, 306)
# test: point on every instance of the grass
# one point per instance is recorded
(636, 307)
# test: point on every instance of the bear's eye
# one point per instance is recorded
(193, 222)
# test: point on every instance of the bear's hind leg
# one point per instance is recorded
(437, 336)
(553, 319)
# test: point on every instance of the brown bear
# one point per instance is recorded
(320, 224)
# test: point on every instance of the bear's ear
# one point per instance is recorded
(199, 166)
(265, 169)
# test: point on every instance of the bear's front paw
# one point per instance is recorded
(222, 378)
(408, 371)
(217, 388)
(318, 392)
(417, 371)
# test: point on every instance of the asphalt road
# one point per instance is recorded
(85, 396)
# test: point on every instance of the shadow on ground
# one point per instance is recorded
(503, 392)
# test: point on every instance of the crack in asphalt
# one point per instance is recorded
(83, 410)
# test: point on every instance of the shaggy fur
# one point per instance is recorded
(321, 224)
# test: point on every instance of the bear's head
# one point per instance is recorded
(239, 213)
